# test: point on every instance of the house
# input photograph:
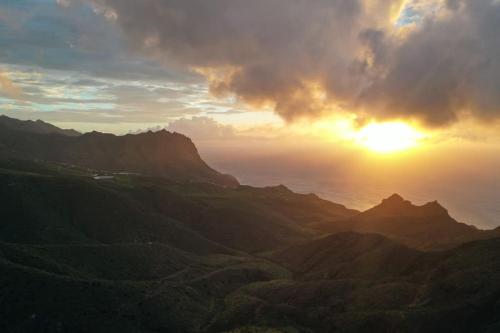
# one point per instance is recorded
(103, 177)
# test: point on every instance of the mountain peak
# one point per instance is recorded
(396, 205)
(395, 201)
(434, 207)
(395, 198)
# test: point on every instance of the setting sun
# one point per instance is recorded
(388, 137)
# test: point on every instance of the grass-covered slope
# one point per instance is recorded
(82, 255)
(50, 204)
(48, 209)
(146, 254)
(126, 288)
(452, 291)
(348, 255)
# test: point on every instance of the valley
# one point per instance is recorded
(141, 252)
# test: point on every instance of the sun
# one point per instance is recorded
(388, 137)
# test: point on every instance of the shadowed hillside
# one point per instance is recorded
(424, 227)
(30, 126)
(181, 253)
(51, 204)
(165, 154)
(365, 283)
(349, 254)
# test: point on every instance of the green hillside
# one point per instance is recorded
(90, 250)
(142, 254)
(452, 291)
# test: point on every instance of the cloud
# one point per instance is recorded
(434, 62)
(65, 96)
(54, 35)
(202, 128)
(447, 66)
(8, 87)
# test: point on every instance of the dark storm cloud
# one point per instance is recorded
(305, 58)
(263, 51)
(447, 66)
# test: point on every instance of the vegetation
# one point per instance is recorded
(142, 253)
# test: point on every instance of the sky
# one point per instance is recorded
(282, 91)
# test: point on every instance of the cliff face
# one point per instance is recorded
(164, 154)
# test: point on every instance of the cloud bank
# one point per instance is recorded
(377, 58)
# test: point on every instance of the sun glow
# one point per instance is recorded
(388, 137)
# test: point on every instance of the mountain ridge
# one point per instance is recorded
(34, 126)
(170, 155)
(137, 253)
(175, 157)
(426, 227)
(397, 205)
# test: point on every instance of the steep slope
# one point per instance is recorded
(254, 220)
(47, 295)
(408, 291)
(308, 209)
(138, 253)
(425, 227)
(48, 206)
(51, 204)
(30, 126)
(83, 255)
(126, 261)
(145, 254)
(165, 154)
(347, 255)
